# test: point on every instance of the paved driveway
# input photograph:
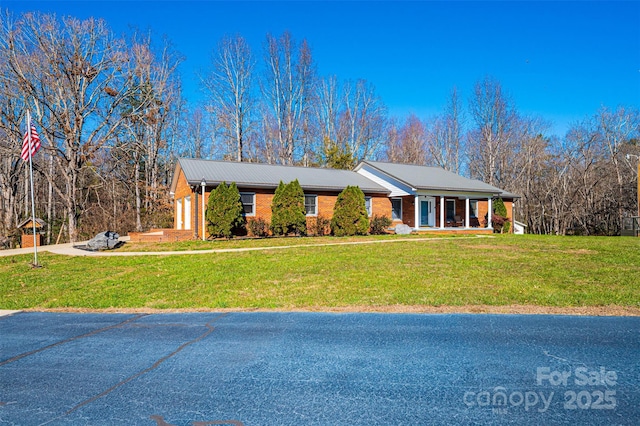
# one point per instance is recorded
(318, 369)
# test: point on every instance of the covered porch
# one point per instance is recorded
(447, 213)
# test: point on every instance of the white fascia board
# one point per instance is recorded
(456, 194)
(398, 189)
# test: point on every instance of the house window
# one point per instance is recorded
(367, 205)
(473, 208)
(248, 200)
(311, 205)
(451, 210)
(396, 208)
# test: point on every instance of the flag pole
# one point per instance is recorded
(33, 203)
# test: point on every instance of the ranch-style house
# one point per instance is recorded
(427, 199)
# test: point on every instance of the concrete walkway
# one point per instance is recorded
(67, 248)
(70, 249)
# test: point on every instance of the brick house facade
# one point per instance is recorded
(257, 184)
(445, 201)
(433, 199)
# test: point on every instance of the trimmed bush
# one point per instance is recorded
(379, 225)
(258, 227)
(288, 215)
(224, 214)
(350, 214)
(321, 226)
(500, 221)
(499, 208)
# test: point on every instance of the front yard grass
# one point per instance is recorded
(457, 271)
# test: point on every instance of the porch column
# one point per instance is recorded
(442, 218)
(416, 211)
(466, 212)
(195, 228)
(489, 212)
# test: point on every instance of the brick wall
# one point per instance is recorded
(27, 240)
(509, 205)
(161, 236)
(380, 204)
(408, 211)
(483, 206)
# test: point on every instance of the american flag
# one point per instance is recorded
(35, 143)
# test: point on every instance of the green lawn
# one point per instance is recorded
(501, 270)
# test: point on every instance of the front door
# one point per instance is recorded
(427, 211)
(424, 213)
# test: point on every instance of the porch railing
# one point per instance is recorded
(631, 226)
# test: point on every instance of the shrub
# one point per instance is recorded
(379, 225)
(224, 211)
(277, 207)
(499, 208)
(499, 219)
(288, 215)
(258, 227)
(321, 226)
(350, 214)
(497, 222)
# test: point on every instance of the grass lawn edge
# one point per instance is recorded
(611, 310)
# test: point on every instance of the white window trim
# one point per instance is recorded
(253, 203)
(315, 204)
(370, 212)
(398, 199)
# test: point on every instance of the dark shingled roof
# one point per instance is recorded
(256, 175)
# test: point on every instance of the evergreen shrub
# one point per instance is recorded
(350, 214)
(288, 215)
(225, 215)
(379, 225)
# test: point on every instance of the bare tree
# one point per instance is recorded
(11, 166)
(616, 129)
(153, 97)
(489, 141)
(362, 120)
(286, 88)
(328, 108)
(230, 87)
(406, 144)
(198, 135)
(444, 138)
(72, 74)
(392, 147)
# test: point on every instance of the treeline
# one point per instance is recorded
(112, 119)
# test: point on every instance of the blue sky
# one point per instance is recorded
(559, 60)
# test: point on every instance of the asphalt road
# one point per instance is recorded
(318, 369)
